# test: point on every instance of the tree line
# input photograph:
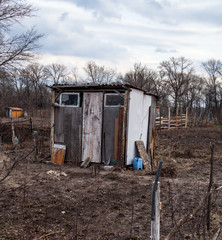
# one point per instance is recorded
(175, 80)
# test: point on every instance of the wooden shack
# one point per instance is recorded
(101, 122)
(14, 112)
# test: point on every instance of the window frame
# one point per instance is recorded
(69, 93)
(113, 94)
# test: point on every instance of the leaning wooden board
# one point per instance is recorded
(142, 153)
(58, 154)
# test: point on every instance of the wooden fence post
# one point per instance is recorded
(13, 132)
(0, 146)
(181, 117)
(155, 222)
(31, 124)
(186, 117)
(52, 122)
(169, 118)
(176, 118)
(155, 212)
(35, 143)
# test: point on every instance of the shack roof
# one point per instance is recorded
(94, 87)
(15, 109)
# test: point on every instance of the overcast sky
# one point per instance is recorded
(118, 33)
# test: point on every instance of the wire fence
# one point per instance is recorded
(20, 132)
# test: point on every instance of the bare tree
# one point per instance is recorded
(177, 73)
(142, 77)
(160, 89)
(18, 48)
(7, 94)
(56, 73)
(31, 87)
(194, 95)
(100, 74)
(214, 69)
(75, 77)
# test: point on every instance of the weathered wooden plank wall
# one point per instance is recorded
(58, 126)
(68, 127)
(72, 133)
(92, 126)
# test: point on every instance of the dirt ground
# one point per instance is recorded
(39, 200)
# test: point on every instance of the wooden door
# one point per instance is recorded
(92, 126)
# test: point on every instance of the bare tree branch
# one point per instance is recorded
(14, 164)
(19, 48)
(55, 72)
(177, 73)
(99, 74)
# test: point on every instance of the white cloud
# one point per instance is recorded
(118, 33)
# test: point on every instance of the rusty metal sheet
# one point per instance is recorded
(58, 154)
(92, 126)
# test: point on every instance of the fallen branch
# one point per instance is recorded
(189, 217)
(186, 219)
(210, 185)
(217, 234)
(14, 163)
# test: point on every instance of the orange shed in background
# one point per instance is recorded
(14, 112)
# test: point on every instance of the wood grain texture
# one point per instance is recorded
(58, 154)
(52, 122)
(58, 126)
(142, 153)
(72, 133)
(68, 126)
(155, 224)
(92, 126)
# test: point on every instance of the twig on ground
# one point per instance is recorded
(14, 164)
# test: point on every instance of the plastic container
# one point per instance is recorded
(137, 163)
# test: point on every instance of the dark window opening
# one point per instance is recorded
(70, 99)
(114, 100)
